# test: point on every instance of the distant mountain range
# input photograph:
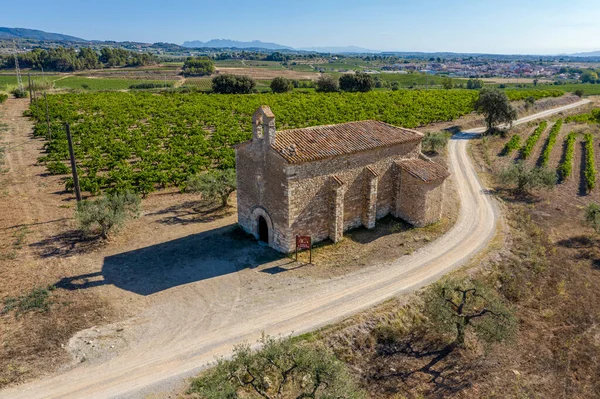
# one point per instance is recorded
(225, 43)
(587, 54)
(346, 49)
(22, 33)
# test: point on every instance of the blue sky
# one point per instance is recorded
(501, 26)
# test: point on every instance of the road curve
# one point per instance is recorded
(161, 364)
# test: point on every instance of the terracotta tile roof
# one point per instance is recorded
(320, 142)
(427, 171)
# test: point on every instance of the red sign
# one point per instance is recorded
(303, 242)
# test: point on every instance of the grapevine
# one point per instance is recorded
(512, 144)
(590, 167)
(551, 141)
(533, 139)
(566, 166)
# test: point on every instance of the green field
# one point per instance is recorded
(84, 83)
(12, 79)
(589, 89)
(204, 84)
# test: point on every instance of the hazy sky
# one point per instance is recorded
(501, 26)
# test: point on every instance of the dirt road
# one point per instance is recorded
(172, 345)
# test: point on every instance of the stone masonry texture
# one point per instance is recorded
(325, 197)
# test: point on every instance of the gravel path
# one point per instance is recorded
(176, 339)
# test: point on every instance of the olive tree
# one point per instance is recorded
(281, 85)
(435, 141)
(108, 213)
(280, 369)
(456, 306)
(214, 185)
(592, 216)
(359, 81)
(495, 106)
(447, 83)
(526, 178)
(327, 84)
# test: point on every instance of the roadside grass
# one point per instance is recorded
(36, 300)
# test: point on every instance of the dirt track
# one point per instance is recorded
(176, 339)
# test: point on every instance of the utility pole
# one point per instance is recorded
(47, 117)
(73, 164)
(30, 93)
(19, 80)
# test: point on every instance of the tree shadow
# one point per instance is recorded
(191, 212)
(419, 356)
(207, 255)
(68, 243)
(577, 242)
(509, 195)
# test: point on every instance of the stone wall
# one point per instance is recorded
(311, 189)
(262, 191)
(417, 202)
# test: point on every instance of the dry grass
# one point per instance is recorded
(29, 340)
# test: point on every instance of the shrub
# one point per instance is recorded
(592, 216)
(435, 141)
(327, 84)
(566, 166)
(281, 85)
(533, 139)
(3, 97)
(512, 144)
(19, 93)
(281, 369)
(109, 213)
(579, 93)
(233, 84)
(214, 185)
(529, 102)
(57, 168)
(551, 141)
(525, 178)
(590, 165)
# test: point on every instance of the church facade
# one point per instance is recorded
(322, 181)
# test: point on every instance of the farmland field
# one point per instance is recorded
(12, 79)
(204, 84)
(76, 82)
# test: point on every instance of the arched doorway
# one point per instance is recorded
(263, 230)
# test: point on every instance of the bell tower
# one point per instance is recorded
(263, 125)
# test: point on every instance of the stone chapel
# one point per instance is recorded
(324, 180)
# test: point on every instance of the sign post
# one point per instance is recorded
(304, 242)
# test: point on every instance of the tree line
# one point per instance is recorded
(67, 59)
